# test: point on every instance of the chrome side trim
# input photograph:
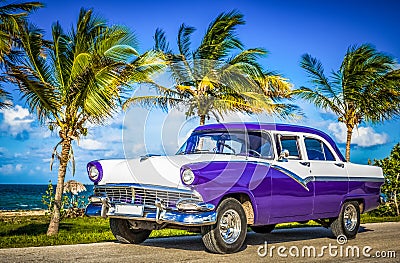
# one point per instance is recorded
(348, 179)
(331, 179)
(367, 179)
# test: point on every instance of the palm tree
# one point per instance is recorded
(11, 16)
(365, 88)
(75, 80)
(213, 79)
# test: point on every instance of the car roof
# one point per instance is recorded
(270, 127)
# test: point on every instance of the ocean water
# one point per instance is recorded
(28, 196)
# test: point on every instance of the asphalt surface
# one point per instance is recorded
(283, 245)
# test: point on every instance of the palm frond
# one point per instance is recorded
(160, 41)
(40, 96)
(60, 55)
(379, 99)
(116, 42)
(143, 68)
(18, 7)
(249, 56)
(246, 63)
(152, 101)
(184, 34)
(275, 86)
(34, 46)
(5, 98)
(316, 74)
(220, 37)
(318, 99)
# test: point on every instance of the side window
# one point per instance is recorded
(328, 154)
(291, 144)
(317, 150)
(260, 145)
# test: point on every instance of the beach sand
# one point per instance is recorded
(5, 213)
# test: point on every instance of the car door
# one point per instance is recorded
(292, 189)
(329, 175)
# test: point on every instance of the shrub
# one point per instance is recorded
(391, 188)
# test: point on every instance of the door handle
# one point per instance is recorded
(305, 163)
(341, 165)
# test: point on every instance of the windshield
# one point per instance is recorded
(255, 143)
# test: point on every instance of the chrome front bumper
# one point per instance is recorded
(187, 213)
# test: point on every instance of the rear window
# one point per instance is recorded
(291, 144)
(317, 150)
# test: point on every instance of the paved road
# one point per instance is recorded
(382, 237)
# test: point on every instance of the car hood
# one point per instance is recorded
(155, 170)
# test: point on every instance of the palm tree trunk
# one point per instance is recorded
(202, 120)
(396, 203)
(348, 142)
(56, 217)
(395, 197)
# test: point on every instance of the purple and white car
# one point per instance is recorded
(227, 177)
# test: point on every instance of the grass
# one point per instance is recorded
(26, 231)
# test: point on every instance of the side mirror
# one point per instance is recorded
(283, 155)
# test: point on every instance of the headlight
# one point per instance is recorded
(188, 177)
(95, 171)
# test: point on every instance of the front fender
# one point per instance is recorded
(216, 180)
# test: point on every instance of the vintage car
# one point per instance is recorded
(227, 177)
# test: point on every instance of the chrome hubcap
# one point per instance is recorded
(230, 226)
(350, 218)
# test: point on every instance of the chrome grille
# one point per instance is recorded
(143, 195)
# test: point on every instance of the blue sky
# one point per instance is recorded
(287, 29)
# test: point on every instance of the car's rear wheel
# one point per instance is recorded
(263, 229)
(229, 232)
(348, 221)
(123, 232)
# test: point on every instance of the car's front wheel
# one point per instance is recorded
(227, 235)
(123, 231)
(348, 221)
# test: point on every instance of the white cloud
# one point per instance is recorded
(109, 154)
(46, 133)
(363, 136)
(10, 169)
(16, 119)
(139, 149)
(6, 169)
(18, 167)
(90, 144)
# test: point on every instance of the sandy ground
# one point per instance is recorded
(380, 237)
(22, 213)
